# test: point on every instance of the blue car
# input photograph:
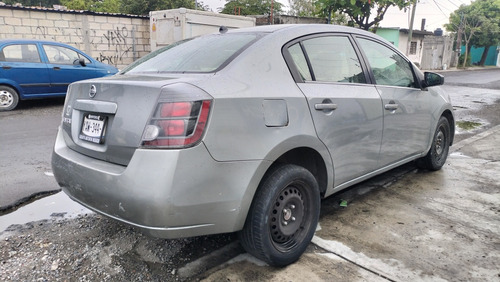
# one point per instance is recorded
(32, 69)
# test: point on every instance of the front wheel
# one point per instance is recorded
(8, 98)
(437, 155)
(283, 216)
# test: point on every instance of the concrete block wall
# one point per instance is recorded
(437, 53)
(113, 39)
(284, 19)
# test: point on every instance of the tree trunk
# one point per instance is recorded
(466, 54)
(485, 54)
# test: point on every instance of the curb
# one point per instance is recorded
(477, 137)
(454, 69)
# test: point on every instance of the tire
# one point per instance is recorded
(437, 155)
(283, 216)
(8, 98)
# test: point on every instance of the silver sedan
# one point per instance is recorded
(246, 130)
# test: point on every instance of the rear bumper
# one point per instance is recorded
(166, 193)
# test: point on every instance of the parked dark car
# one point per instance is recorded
(32, 69)
(246, 130)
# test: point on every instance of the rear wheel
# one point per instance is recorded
(8, 98)
(437, 155)
(283, 216)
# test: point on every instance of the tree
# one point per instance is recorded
(202, 6)
(467, 21)
(77, 4)
(324, 9)
(301, 8)
(251, 7)
(29, 3)
(105, 6)
(143, 7)
(359, 12)
(489, 31)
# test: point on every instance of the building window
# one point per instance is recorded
(413, 48)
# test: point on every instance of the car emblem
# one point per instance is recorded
(93, 91)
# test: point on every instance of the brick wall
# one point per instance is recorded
(113, 39)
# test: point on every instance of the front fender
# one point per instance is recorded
(445, 109)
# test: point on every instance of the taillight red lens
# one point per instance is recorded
(180, 124)
(182, 109)
(173, 127)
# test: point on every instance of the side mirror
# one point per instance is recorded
(82, 62)
(433, 79)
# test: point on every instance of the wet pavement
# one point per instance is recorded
(27, 136)
(426, 226)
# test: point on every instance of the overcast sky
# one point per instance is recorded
(435, 12)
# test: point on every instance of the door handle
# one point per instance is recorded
(6, 67)
(325, 107)
(391, 106)
(57, 68)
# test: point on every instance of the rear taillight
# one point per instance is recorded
(179, 120)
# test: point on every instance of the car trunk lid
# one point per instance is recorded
(105, 118)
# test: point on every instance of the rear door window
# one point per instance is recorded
(300, 61)
(327, 59)
(26, 53)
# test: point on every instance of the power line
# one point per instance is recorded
(453, 4)
(435, 2)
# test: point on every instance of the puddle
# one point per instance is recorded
(57, 206)
(459, 155)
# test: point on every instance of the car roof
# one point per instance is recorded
(290, 31)
(26, 40)
(303, 28)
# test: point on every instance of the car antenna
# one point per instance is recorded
(222, 29)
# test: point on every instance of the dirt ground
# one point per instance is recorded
(94, 248)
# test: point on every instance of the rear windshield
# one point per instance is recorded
(200, 54)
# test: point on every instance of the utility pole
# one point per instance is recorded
(410, 31)
(272, 8)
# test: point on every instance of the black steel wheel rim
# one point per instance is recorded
(289, 217)
(440, 143)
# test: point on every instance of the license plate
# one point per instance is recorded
(93, 128)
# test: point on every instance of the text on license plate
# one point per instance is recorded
(93, 128)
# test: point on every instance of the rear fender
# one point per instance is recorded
(305, 141)
(13, 84)
(274, 156)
